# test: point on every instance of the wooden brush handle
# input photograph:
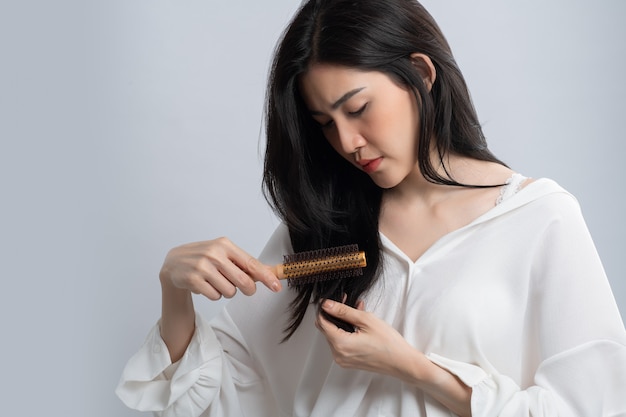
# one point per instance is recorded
(279, 271)
(316, 266)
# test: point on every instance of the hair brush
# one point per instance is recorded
(321, 265)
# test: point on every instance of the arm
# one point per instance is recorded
(182, 369)
(177, 319)
(214, 269)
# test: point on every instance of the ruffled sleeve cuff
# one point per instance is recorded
(150, 382)
(489, 392)
(587, 380)
(470, 375)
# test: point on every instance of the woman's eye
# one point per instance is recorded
(359, 111)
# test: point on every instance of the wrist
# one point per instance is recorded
(173, 298)
(167, 284)
(445, 387)
(416, 369)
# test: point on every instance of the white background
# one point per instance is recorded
(129, 127)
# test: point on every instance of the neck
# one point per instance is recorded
(415, 184)
(461, 169)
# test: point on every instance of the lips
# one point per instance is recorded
(370, 165)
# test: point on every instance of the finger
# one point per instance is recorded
(224, 287)
(360, 305)
(262, 273)
(235, 277)
(344, 312)
(255, 269)
(333, 328)
(242, 269)
(200, 286)
(323, 325)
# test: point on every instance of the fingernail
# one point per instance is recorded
(329, 303)
(276, 286)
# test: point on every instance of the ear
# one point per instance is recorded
(424, 65)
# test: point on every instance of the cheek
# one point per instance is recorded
(394, 129)
(404, 125)
(396, 115)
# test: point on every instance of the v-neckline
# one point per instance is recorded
(396, 249)
(492, 212)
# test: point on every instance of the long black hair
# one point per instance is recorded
(322, 198)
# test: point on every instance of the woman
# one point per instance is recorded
(483, 295)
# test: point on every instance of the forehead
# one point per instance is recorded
(323, 84)
(325, 73)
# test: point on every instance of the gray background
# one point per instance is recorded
(129, 127)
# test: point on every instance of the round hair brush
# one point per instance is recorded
(321, 265)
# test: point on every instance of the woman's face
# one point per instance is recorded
(367, 118)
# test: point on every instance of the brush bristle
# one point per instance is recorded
(310, 279)
(323, 264)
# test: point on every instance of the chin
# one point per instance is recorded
(385, 183)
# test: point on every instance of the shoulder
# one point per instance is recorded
(538, 206)
(550, 213)
(542, 192)
(548, 194)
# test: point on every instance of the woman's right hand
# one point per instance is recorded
(215, 268)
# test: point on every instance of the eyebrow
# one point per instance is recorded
(341, 100)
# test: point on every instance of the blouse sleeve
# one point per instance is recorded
(216, 376)
(204, 382)
(580, 334)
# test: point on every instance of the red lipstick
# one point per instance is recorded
(370, 165)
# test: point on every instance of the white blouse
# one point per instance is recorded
(516, 304)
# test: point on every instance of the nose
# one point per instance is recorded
(350, 138)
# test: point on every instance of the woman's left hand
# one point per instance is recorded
(374, 346)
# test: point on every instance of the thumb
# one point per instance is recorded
(343, 312)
